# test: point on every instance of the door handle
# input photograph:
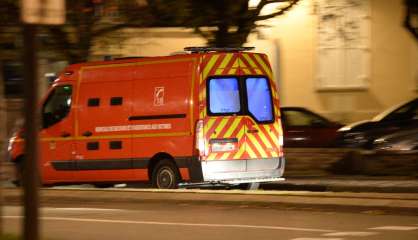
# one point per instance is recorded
(87, 134)
(252, 131)
(65, 134)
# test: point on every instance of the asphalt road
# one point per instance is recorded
(183, 221)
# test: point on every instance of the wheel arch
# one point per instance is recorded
(158, 157)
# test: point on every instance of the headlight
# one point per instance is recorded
(354, 138)
(344, 129)
(10, 144)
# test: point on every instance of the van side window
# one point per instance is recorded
(93, 102)
(224, 95)
(114, 101)
(260, 104)
(57, 106)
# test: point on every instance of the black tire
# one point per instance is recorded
(103, 185)
(165, 175)
(249, 186)
(18, 172)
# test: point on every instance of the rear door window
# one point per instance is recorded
(224, 96)
(260, 104)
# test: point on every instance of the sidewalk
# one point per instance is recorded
(347, 184)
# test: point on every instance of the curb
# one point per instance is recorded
(380, 202)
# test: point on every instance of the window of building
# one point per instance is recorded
(13, 79)
(343, 44)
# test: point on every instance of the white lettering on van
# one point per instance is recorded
(141, 127)
(159, 96)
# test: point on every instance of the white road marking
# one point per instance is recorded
(179, 224)
(82, 209)
(354, 234)
(395, 228)
(317, 238)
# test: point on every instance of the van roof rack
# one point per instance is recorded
(217, 49)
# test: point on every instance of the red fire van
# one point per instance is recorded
(207, 116)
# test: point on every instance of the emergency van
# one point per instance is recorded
(210, 115)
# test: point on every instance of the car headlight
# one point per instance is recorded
(354, 139)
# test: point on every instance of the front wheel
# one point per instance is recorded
(165, 175)
(18, 173)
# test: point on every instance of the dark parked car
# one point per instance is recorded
(362, 134)
(401, 142)
(304, 128)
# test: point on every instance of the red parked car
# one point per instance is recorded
(304, 128)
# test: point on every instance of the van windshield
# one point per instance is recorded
(241, 96)
(56, 106)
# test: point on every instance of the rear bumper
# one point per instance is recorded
(243, 171)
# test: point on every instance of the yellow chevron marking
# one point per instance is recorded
(263, 137)
(236, 63)
(232, 127)
(250, 151)
(209, 66)
(246, 71)
(232, 71)
(234, 67)
(225, 61)
(241, 63)
(257, 145)
(272, 136)
(224, 156)
(276, 127)
(241, 133)
(208, 126)
(240, 152)
(263, 65)
(249, 60)
(219, 71)
(252, 63)
(220, 127)
(211, 156)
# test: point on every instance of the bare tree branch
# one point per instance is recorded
(278, 13)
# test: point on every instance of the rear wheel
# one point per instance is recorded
(165, 175)
(249, 186)
(103, 185)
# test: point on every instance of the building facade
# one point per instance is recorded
(345, 59)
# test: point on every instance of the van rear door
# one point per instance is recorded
(242, 123)
(262, 128)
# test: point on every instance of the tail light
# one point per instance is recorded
(200, 140)
(281, 143)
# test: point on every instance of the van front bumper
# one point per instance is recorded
(243, 171)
